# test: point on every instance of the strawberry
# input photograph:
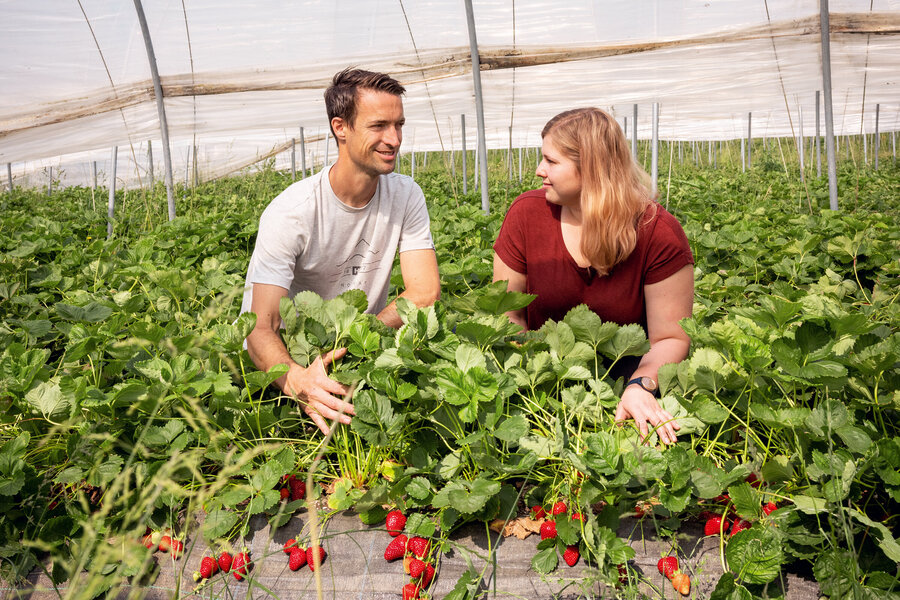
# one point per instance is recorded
(538, 512)
(739, 525)
(769, 508)
(298, 489)
(208, 567)
(225, 562)
(285, 493)
(239, 565)
(297, 558)
(406, 560)
(753, 480)
(289, 545)
(428, 575)
(410, 591)
(548, 530)
(571, 555)
(196, 576)
(395, 522)
(578, 517)
(416, 568)
(419, 546)
(396, 549)
(559, 508)
(682, 583)
(165, 542)
(668, 566)
(643, 509)
(721, 499)
(147, 541)
(176, 547)
(314, 552)
(623, 574)
(714, 525)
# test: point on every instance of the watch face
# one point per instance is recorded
(648, 384)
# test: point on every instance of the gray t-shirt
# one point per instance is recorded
(309, 240)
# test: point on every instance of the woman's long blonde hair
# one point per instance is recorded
(615, 190)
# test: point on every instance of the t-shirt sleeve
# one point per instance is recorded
(669, 249)
(275, 254)
(416, 231)
(510, 243)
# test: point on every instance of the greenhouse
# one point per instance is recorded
(532, 392)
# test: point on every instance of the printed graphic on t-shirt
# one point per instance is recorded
(363, 259)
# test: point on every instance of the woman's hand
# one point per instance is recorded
(640, 405)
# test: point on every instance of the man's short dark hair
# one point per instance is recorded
(341, 95)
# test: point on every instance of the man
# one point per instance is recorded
(338, 230)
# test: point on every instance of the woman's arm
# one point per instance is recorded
(668, 301)
(515, 282)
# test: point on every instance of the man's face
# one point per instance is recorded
(373, 139)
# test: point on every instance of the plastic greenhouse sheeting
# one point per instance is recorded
(240, 79)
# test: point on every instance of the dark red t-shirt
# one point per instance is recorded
(531, 242)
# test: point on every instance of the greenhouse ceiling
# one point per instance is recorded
(241, 79)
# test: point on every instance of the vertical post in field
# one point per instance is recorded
(749, 139)
(877, 135)
(111, 207)
(9, 176)
(293, 159)
(654, 161)
(479, 106)
(302, 154)
(634, 135)
(825, 30)
(818, 137)
(465, 170)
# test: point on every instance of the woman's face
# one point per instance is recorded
(562, 180)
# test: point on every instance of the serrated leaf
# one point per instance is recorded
(755, 555)
(217, 523)
(47, 398)
(545, 561)
(512, 429)
(419, 488)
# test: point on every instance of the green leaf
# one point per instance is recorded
(746, 499)
(374, 516)
(629, 340)
(497, 301)
(467, 586)
(588, 327)
(419, 524)
(727, 589)
(263, 501)
(545, 561)
(419, 488)
(512, 429)
(89, 313)
(47, 398)
(471, 497)
(217, 523)
(882, 534)
(156, 369)
(468, 356)
(809, 504)
(854, 438)
(755, 554)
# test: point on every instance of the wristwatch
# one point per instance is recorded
(646, 383)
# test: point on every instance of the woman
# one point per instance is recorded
(594, 234)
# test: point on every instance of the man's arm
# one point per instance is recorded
(515, 282)
(421, 283)
(668, 301)
(312, 388)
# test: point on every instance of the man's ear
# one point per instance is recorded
(339, 126)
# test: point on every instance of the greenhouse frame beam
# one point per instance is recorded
(479, 107)
(160, 106)
(825, 30)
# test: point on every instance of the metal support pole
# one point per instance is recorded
(9, 176)
(654, 161)
(801, 146)
(49, 180)
(680, 153)
(634, 135)
(893, 151)
(95, 175)
(818, 137)
(475, 180)
(187, 170)
(293, 159)
(865, 140)
(825, 29)
(877, 137)
(111, 208)
(509, 163)
(749, 139)
(150, 160)
(465, 170)
(160, 106)
(520, 164)
(302, 154)
(479, 106)
(743, 158)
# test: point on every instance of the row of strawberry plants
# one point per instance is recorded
(126, 393)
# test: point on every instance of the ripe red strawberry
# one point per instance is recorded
(298, 489)
(239, 565)
(428, 575)
(147, 541)
(623, 574)
(578, 517)
(285, 493)
(769, 508)
(225, 561)
(395, 522)
(297, 558)
(548, 530)
(643, 509)
(410, 591)
(175, 548)
(723, 498)
(396, 549)
(290, 544)
(208, 567)
(714, 525)
(571, 555)
(753, 480)
(739, 525)
(559, 508)
(667, 566)
(419, 546)
(165, 542)
(416, 568)
(682, 583)
(312, 553)
(538, 512)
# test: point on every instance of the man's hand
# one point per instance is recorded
(641, 405)
(314, 390)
